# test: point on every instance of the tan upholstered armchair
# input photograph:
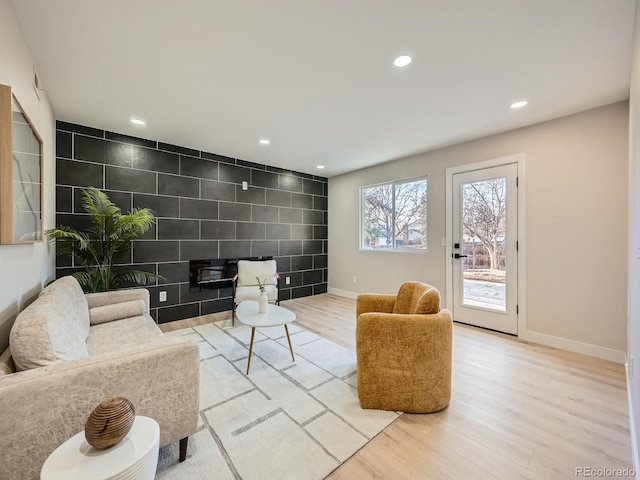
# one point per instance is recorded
(403, 346)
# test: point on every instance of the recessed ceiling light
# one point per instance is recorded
(519, 104)
(320, 167)
(402, 61)
(264, 141)
(137, 121)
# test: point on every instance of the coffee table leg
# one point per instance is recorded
(289, 339)
(253, 332)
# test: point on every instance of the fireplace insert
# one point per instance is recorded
(215, 273)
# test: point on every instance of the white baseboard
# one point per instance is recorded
(605, 353)
(342, 293)
(610, 354)
(632, 424)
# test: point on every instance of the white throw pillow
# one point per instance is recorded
(54, 327)
(248, 271)
(117, 311)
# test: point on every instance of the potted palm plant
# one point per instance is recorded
(110, 236)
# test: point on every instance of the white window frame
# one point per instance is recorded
(393, 248)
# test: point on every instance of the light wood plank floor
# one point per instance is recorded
(518, 410)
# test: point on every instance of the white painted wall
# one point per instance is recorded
(633, 374)
(25, 268)
(576, 226)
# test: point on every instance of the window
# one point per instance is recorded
(394, 216)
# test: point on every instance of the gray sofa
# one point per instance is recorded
(68, 352)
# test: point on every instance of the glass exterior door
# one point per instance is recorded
(484, 254)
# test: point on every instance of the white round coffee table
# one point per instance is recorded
(247, 313)
(135, 457)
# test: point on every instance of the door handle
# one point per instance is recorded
(457, 255)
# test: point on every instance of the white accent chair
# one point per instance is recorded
(245, 282)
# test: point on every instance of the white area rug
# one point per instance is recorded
(285, 420)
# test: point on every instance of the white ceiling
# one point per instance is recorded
(316, 76)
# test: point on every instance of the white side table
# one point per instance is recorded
(247, 313)
(135, 457)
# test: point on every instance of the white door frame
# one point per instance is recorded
(519, 159)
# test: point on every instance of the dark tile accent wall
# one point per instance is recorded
(202, 213)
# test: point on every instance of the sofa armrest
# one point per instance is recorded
(373, 302)
(118, 296)
(43, 407)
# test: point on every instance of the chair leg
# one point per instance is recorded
(183, 448)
